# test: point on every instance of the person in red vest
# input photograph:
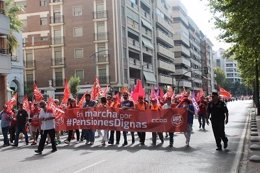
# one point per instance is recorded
(142, 106)
(35, 123)
(154, 106)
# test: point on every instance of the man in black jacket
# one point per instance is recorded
(218, 114)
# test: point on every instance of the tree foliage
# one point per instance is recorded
(74, 82)
(220, 76)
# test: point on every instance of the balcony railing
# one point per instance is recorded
(3, 51)
(56, 19)
(133, 42)
(29, 64)
(57, 40)
(103, 79)
(102, 57)
(37, 42)
(101, 36)
(58, 61)
(100, 14)
(133, 5)
(58, 82)
(55, 1)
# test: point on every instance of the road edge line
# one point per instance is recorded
(89, 166)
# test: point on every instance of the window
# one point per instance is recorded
(100, 5)
(100, 33)
(29, 60)
(77, 32)
(80, 74)
(78, 53)
(77, 11)
(44, 39)
(102, 75)
(102, 52)
(43, 3)
(43, 21)
(58, 77)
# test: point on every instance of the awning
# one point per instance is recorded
(149, 77)
(147, 43)
(147, 24)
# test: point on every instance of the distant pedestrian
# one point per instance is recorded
(47, 126)
(21, 124)
(168, 105)
(5, 124)
(218, 114)
(202, 112)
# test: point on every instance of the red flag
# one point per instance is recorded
(26, 105)
(169, 93)
(138, 91)
(224, 93)
(96, 90)
(11, 103)
(66, 93)
(199, 95)
(117, 99)
(153, 94)
(57, 112)
(104, 93)
(82, 100)
(37, 93)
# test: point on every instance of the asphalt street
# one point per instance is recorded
(200, 157)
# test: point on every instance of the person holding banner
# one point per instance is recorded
(154, 106)
(47, 126)
(141, 105)
(218, 114)
(127, 104)
(168, 105)
(89, 133)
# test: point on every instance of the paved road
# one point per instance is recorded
(78, 158)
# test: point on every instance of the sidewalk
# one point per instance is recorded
(250, 161)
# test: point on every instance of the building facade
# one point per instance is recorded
(5, 59)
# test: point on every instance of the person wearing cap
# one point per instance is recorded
(168, 105)
(5, 124)
(154, 106)
(127, 104)
(89, 133)
(141, 105)
(48, 128)
(218, 114)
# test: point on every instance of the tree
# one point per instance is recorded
(220, 76)
(12, 11)
(74, 82)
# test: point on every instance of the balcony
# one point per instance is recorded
(58, 61)
(58, 82)
(166, 79)
(182, 49)
(55, 2)
(37, 42)
(103, 79)
(57, 40)
(182, 37)
(147, 51)
(165, 52)
(185, 84)
(30, 64)
(57, 19)
(102, 58)
(165, 38)
(133, 43)
(147, 66)
(134, 63)
(183, 60)
(5, 59)
(3, 51)
(2, 7)
(166, 66)
(164, 23)
(147, 2)
(100, 14)
(101, 36)
(146, 15)
(183, 72)
(132, 24)
(146, 33)
(5, 24)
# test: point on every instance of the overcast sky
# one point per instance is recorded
(200, 13)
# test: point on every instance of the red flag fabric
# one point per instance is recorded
(138, 91)
(57, 112)
(66, 93)
(224, 93)
(11, 103)
(117, 99)
(169, 93)
(37, 93)
(153, 94)
(82, 100)
(105, 91)
(199, 95)
(26, 104)
(96, 90)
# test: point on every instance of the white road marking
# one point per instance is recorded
(89, 166)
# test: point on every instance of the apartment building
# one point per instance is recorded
(231, 71)
(118, 41)
(5, 59)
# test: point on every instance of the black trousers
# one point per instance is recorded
(171, 134)
(154, 137)
(111, 138)
(219, 132)
(202, 119)
(141, 136)
(44, 134)
(125, 136)
(71, 134)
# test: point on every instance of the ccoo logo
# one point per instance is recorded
(177, 120)
(59, 121)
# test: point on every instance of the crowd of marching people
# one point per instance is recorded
(36, 119)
